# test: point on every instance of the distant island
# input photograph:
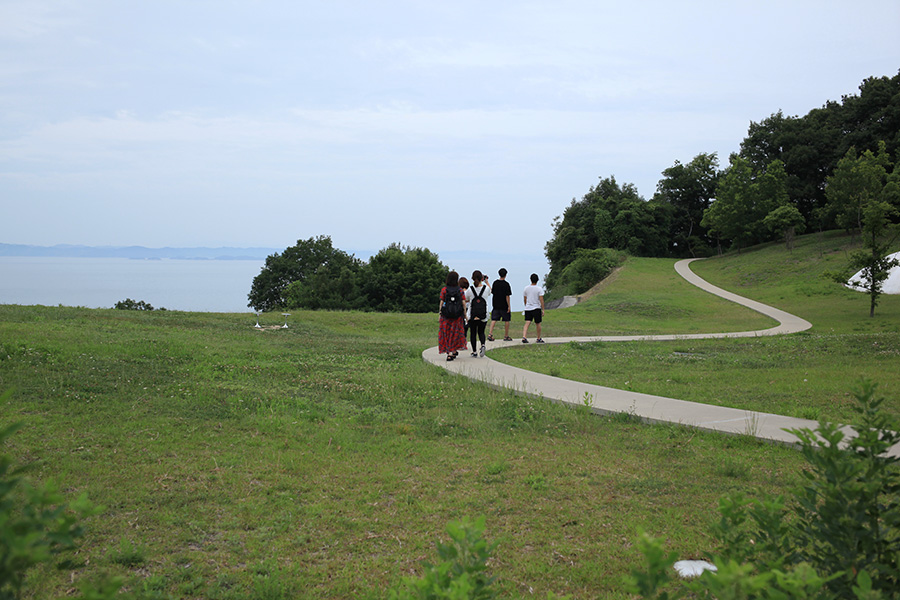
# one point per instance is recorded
(137, 252)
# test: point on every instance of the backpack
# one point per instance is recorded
(479, 306)
(453, 304)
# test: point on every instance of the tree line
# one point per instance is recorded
(313, 274)
(829, 169)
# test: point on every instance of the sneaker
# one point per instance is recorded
(474, 355)
(507, 339)
(540, 341)
(449, 357)
(490, 338)
(524, 340)
(481, 352)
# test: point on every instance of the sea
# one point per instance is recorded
(174, 284)
(180, 284)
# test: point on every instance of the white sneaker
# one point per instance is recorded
(481, 352)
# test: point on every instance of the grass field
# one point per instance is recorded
(324, 460)
(806, 375)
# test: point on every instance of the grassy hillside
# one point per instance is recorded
(324, 460)
(806, 375)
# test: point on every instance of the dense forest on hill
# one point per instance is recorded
(814, 172)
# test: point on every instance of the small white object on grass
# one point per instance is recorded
(693, 568)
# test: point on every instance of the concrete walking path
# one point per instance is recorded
(652, 409)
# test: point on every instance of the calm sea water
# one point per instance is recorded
(192, 285)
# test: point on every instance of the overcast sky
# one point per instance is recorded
(457, 126)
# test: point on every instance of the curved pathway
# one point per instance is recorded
(652, 409)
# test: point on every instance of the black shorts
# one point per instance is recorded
(499, 315)
(534, 315)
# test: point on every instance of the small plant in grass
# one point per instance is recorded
(461, 574)
(128, 554)
(837, 536)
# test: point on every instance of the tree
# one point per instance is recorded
(333, 286)
(873, 261)
(786, 221)
(402, 279)
(856, 181)
(608, 216)
(296, 264)
(689, 190)
(744, 199)
(865, 194)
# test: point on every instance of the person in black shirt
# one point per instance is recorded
(501, 293)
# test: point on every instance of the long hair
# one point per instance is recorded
(477, 277)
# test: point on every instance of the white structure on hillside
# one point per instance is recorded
(891, 284)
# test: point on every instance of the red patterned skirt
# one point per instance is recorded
(451, 336)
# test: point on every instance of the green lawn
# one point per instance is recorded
(324, 460)
(805, 375)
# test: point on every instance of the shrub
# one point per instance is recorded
(37, 527)
(837, 537)
(589, 268)
(129, 304)
(462, 572)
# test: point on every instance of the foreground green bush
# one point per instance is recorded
(37, 527)
(837, 536)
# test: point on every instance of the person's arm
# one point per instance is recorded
(542, 303)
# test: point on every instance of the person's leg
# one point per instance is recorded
(525, 329)
(506, 327)
(473, 333)
(538, 325)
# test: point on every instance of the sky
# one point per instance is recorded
(463, 127)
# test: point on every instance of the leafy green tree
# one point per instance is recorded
(744, 199)
(608, 216)
(786, 221)
(864, 193)
(857, 181)
(811, 146)
(402, 279)
(296, 264)
(333, 286)
(689, 189)
(873, 261)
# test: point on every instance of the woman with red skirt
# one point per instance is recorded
(451, 333)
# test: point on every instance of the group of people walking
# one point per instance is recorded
(463, 309)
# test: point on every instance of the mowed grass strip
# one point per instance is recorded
(324, 460)
(807, 375)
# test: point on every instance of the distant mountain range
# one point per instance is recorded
(137, 252)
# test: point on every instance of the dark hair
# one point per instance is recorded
(502, 272)
(452, 278)
(534, 278)
(477, 276)
(463, 283)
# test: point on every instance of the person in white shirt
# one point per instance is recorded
(534, 308)
(476, 300)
